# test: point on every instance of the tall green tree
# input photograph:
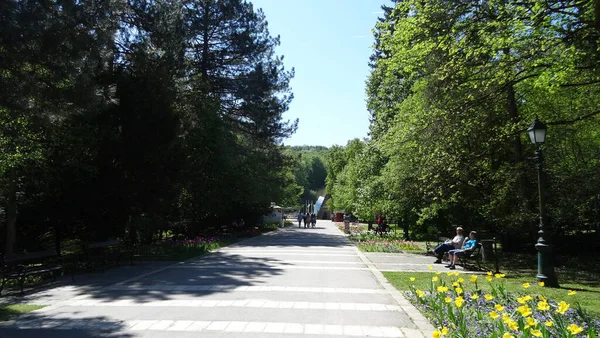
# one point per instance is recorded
(125, 119)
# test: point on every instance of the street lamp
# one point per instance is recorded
(537, 135)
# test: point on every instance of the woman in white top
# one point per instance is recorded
(455, 243)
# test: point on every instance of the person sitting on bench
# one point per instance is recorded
(448, 245)
(467, 249)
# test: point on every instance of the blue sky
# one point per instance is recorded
(328, 42)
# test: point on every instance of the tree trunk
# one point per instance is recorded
(597, 14)
(517, 147)
(205, 41)
(11, 212)
(57, 239)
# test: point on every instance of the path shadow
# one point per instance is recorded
(297, 237)
(222, 271)
(186, 278)
(36, 325)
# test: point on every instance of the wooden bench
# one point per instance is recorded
(429, 246)
(21, 266)
(476, 257)
(468, 261)
(103, 252)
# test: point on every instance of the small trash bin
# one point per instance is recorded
(487, 250)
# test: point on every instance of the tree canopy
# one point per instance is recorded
(453, 87)
(124, 119)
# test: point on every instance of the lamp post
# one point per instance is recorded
(537, 135)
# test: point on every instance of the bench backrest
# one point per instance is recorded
(104, 244)
(29, 257)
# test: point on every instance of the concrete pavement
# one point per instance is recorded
(289, 283)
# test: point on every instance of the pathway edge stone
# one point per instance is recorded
(424, 327)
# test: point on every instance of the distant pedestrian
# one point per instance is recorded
(306, 220)
(313, 219)
(300, 218)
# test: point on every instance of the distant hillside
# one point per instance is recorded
(310, 170)
(308, 148)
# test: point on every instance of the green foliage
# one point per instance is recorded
(453, 87)
(129, 119)
(310, 172)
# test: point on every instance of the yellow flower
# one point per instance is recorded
(574, 329)
(542, 298)
(442, 289)
(562, 307)
(524, 299)
(488, 297)
(456, 273)
(507, 335)
(536, 333)
(499, 307)
(528, 298)
(549, 323)
(488, 278)
(455, 284)
(445, 331)
(461, 280)
(499, 275)
(448, 300)
(571, 293)
(541, 284)
(437, 272)
(420, 293)
(473, 279)
(458, 290)
(506, 318)
(430, 267)
(434, 279)
(459, 301)
(436, 334)
(474, 296)
(489, 273)
(531, 321)
(513, 325)
(543, 306)
(412, 279)
(526, 285)
(494, 315)
(449, 273)
(524, 310)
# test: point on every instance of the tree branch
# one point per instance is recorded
(577, 119)
(580, 84)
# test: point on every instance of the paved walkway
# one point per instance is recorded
(289, 283)
(410, 262)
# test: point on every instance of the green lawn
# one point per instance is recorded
(9, 311)
(587, 295)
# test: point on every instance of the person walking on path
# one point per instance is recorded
(448, 245)
(306, 219)
(313, 220)
(300, 217)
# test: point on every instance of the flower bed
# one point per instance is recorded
(384, 245)
(355, 228)
(369, 241)
(458, 307)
